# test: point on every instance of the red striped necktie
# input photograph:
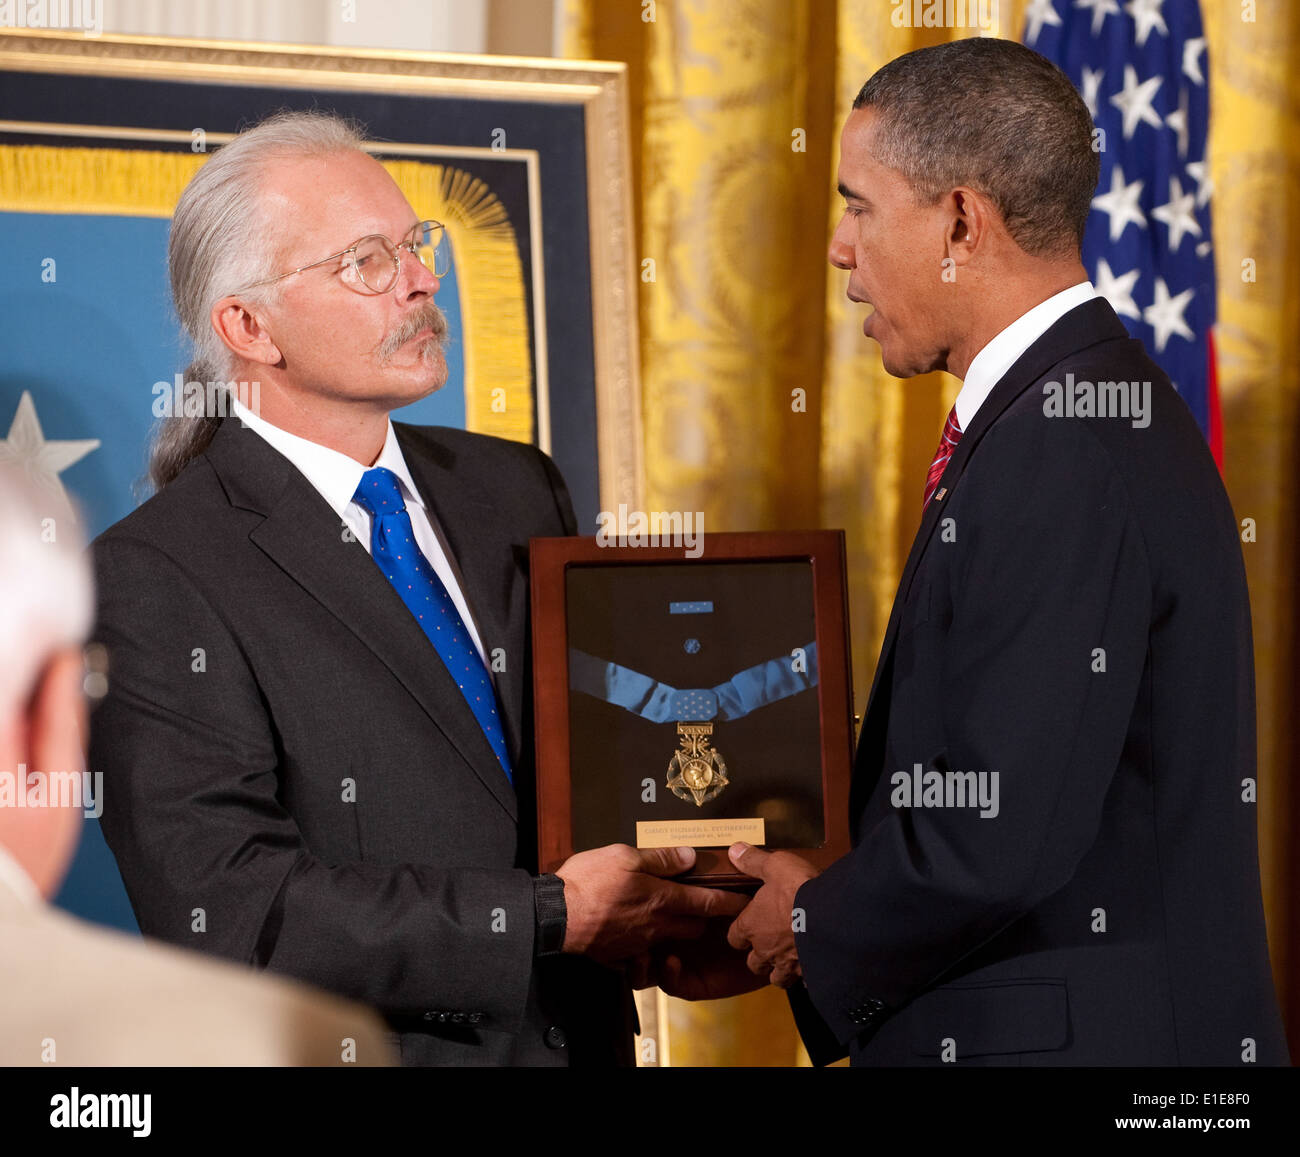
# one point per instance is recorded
(947, 444)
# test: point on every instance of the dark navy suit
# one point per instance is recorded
(1074, 617)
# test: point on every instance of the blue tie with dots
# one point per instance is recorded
(393, 547)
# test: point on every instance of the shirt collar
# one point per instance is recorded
(332, 473)
(1003, 351)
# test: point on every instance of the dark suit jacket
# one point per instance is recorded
(1110, 913)
(293, 780)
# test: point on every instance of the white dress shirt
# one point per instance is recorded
(337, 477)
(989, 365)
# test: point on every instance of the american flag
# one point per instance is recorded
(1141, 68)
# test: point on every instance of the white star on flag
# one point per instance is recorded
(27, 450)
(1038, 13)
(1177, 120)
(1146, 14)
(1091, 83)
(1165, 314)
(1118, 290)
(1199, 171)
(1100, 10)
(1178, 214)
(1191, 59)
(1121, 203)
(1135, 101)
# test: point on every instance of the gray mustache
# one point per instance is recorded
(429, 317)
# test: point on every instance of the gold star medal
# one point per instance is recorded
(696, 771)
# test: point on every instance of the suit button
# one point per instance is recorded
(474, 1017)
(457, 1018)
(554, 1037)
(430, 1015)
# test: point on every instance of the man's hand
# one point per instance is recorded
(704, 969)
(619, 905)
(766, 925)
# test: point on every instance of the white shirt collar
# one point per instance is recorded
(989, 365)
(13, 875)
(335, 475)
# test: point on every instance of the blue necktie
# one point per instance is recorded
(393, 547)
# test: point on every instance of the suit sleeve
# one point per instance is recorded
(212, 858)
(560, 494)
(1049, 571)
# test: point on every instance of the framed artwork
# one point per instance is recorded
(693, 701)
(525, 161)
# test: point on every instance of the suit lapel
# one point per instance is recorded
(1084, 326)
(303, 536)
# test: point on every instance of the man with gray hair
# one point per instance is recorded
(70, 993)
(1071, 637)
(317, 743)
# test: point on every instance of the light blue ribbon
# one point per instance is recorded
(744, 692)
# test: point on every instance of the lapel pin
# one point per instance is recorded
(938, 497)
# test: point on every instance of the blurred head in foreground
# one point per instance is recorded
(46, 608)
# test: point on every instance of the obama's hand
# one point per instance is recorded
(766, 926)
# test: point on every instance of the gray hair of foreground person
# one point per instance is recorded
(46, 612)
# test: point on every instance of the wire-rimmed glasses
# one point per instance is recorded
(371, 264)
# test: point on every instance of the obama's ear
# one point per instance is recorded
(971, 221)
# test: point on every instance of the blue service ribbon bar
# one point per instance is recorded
(743, 693)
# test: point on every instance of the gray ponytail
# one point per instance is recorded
(220, 241)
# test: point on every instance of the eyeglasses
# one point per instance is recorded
(371, 264)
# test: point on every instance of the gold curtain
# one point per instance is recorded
(766, 408)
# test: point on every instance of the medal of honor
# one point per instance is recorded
(696, 772)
